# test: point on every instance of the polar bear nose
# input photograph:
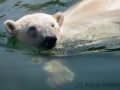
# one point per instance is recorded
(50, 41)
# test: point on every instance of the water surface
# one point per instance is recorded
(24, 67)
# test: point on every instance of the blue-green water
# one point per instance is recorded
(22, 67)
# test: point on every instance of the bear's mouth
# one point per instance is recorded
(49, 42)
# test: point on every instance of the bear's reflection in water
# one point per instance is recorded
(59, 74)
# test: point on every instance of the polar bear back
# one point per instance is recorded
(92, 20)
(93, 7)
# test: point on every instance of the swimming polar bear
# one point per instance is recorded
(90, 20)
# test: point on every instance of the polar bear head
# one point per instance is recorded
(39, 29)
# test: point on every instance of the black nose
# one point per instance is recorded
(50, 42)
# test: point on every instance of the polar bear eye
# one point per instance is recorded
(52, 25)
(32, 31)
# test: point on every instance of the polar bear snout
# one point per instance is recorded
(49, 42)
(48, 36)
(43, 36)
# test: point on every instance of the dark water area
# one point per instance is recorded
(24, 67)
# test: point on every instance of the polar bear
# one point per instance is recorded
(89, 20)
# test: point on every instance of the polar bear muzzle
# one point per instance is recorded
(43, 36)
(48, 37)
(49, 42)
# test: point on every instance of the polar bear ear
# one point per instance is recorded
(10, 26)
(59, 18)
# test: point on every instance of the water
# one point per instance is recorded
(24, 67)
